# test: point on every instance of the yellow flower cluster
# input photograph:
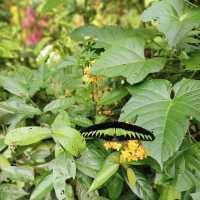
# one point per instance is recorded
(133, 151)
(130, 151)
(113, 145)
(89, 77)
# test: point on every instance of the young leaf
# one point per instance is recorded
(27, 135)
(168, 117)
(127, 59)
(70, 139)
(108, 169)
(131, 177)
(43, 188)
(175, 20)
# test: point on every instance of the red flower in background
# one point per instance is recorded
(33, 26)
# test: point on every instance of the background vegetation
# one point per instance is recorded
(69, 64)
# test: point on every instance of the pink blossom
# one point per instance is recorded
(30, 18)
(35, 36)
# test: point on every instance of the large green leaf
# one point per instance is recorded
(108, 35)
(127, 59)
(43, 188)
(11, 192)
(70, 139)
(27, 135)
(167, 116)
(64, 168)
(108, 169)
(184, 168)
(175, 20)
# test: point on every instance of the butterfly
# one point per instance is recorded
(117, 131)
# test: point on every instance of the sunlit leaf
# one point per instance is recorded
(70, 139)
(27, 135)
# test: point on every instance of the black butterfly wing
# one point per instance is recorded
(117, 131)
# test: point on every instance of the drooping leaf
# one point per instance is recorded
(11, 192)
(27, 135)
(108, 169)
(64, 168)
(70, 139)
(175, 20)
(166, 116)
(43, 188)
(127, 59)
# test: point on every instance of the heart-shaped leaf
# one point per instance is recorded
(168, 116)
(127, 59)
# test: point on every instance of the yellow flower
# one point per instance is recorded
(133, 145)
(90, 77)
(113, 145)
(133, 151)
